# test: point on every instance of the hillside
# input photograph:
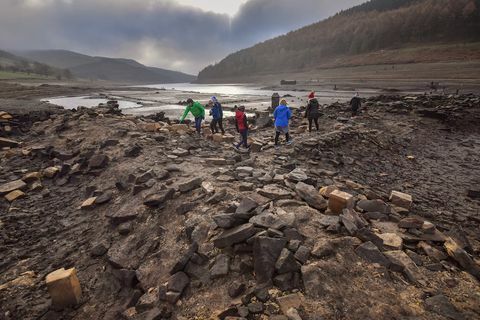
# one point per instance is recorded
(12, 66)
(371, 27)
(108, 69)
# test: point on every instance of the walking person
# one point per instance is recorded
(356, 104)
(198, 112)
(282, 116)
(241, 123)
(313, 111)
(217, 114)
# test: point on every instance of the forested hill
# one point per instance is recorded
(373, 26)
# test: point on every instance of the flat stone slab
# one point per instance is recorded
(12, 186)
(234, 235)
(274, 192)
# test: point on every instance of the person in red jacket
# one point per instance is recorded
(241, 124)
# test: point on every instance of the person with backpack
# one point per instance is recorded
(217, 116)
(356, 104)
(241, 123)
(313, 111)
(198, 112)
(282, 116)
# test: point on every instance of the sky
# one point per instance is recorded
(182, 35)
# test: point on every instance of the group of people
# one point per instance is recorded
(282, 115)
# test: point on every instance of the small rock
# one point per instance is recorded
(401, 200)
(220, 267)
(370, 252)
(157, 199)
(190, 185)
(233, 236)
(64, 288)
(311, 196)
(339, 200)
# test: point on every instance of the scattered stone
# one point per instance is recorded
(340, 200)
(14, 195)
(412, 222)
(246, 206)
(297, 175)
(255, 307)
(182, 262)
(228, 220)
(190, 185)
(12, 186)
(311, 196)
(432, 252)
(178, 282)
(220, 267)
(401, 262)
(88, 204)
(391, 241)
(294, 300)
(185, 208)
(286, 262)
(208, 187)
(326, 191)
(234, 236)
(440, 305)
(31, 177)
(64, 288)
(98, 161)
(8, 143)
(103, 198)
(236, 289)
(373, 206)
(265, 254)
(462, 257)
(158, 199)
(274, 192)
(268, 220)
(401, 200)
(302, 254)
(370, 252)
(133, 151)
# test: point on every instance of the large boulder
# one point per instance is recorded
(265, 254)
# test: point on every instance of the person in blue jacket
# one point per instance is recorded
(282, 115)
(217, 114)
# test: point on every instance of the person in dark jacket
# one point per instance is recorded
(313, 112)
(217, 114)
(356, 104)
(241, 123)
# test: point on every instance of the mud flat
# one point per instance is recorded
(161, 224)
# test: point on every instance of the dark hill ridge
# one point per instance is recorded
(13, 63)
(109, 69)
(370, 27)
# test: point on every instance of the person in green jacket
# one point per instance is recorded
(197, 110)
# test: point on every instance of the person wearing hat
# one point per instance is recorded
(198, 112)
(282, 115)
(356, 104)
(241, 123)
(313, 111)
(217, 116)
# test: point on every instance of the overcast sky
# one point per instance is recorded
(184, 35)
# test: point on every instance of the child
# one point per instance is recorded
(198, 111)
(217, 114)
(282, 115)
(241, 124)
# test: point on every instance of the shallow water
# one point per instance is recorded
(86, 101)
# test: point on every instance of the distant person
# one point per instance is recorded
(356, 104)
(282, 116)
(198, 112)
(313, 111)
(217, 114)
(241, 123)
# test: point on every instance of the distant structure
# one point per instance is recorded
(288, 82)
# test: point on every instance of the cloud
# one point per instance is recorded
(160, 33)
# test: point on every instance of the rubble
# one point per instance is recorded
(182, 227)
